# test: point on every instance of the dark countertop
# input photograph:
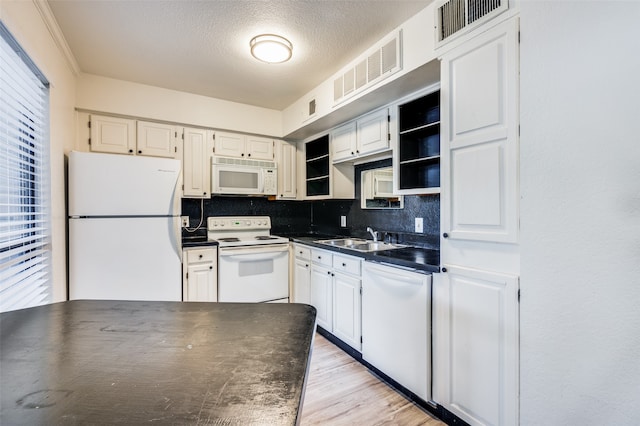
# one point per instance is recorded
(421, 259)
(106, 362)
(197, 241)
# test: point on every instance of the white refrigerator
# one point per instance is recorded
(124, 227)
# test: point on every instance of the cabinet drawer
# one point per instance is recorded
(321, 257)
(302, 252)
(201, 255)
(347, 264)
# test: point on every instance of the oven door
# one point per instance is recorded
(253, 273)
(234, 179)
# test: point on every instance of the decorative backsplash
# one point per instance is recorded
(323, 216)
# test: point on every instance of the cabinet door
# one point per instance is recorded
(113, 135)
(156, 139)
(343, 142)
(475, 345)
(373, 132)
(322, 296)
(480, 137)
(259, 148)
(230, 144)
(302, 282)
(195, 164)
(287, 179)
(346, 309)
(200, 284)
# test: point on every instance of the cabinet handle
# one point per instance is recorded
(445, 235)
(443, 269)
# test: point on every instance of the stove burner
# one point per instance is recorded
(229, 240)
(265, 237)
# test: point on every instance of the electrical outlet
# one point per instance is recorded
(419, 228)
(185, 221)
(343, 221)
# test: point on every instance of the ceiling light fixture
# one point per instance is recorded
(271, 48)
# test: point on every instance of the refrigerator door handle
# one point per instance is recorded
(175, 235)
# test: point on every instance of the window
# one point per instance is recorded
(25, 242)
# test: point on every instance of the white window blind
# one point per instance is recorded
(25, 266)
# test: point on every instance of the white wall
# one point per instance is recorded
(580, 217)
(104, 94)
(24, 19)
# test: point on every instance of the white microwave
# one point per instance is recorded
(235, 176)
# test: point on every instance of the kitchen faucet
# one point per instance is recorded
(373, 233)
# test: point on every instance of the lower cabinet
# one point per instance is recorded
(475, 342)
(200, 274)
(335, 293)
(301, 291)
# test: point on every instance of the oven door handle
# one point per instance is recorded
(254, 253)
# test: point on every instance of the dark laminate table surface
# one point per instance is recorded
(104, 362)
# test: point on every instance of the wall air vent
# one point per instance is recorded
(377, 64)
(456, 17)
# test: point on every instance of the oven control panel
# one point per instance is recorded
(238, 222)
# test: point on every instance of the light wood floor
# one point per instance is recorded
(341, 391)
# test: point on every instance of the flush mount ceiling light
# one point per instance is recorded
(271, 48)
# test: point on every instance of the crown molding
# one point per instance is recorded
(57, 35)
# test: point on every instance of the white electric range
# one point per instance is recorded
(253, 266)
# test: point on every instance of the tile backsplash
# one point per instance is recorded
(323, 217)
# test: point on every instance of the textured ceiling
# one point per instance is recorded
(202, 47)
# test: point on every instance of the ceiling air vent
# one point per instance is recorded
(455, 17)
(377, 64)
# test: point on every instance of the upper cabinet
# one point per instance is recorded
(287, 180)
(156, 139)
(126, 136)
(242, 146)
(322, 178)
(416, 161)
(365, 136)
(196, 159)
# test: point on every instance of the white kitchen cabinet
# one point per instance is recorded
(480, 137)
(301, 275)
(156, 139)
(127, 136)
(373, 132)
(396, 318)
(237, 145)
(112, 134)
(476, 295)
(343, 142)
(367, 135)
(475, 341)
(347, 300)
(287, 169)
(200, 275)
(196, 173)
(322, 295)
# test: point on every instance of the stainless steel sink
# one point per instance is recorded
(342, 242)
(360, 244)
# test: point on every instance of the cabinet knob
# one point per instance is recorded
(445, 235)
(139, 151)
(306, 265)
(319, 257)
(130, 151)
(200, 256)
(328, 272)
(249, 155)
(344, 264)
(210, 267)
(242, 155)
(204, 193)
(351, 152)
(443, 269)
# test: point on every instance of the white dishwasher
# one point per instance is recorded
(396, 325)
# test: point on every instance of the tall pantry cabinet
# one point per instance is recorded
(476, 307)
